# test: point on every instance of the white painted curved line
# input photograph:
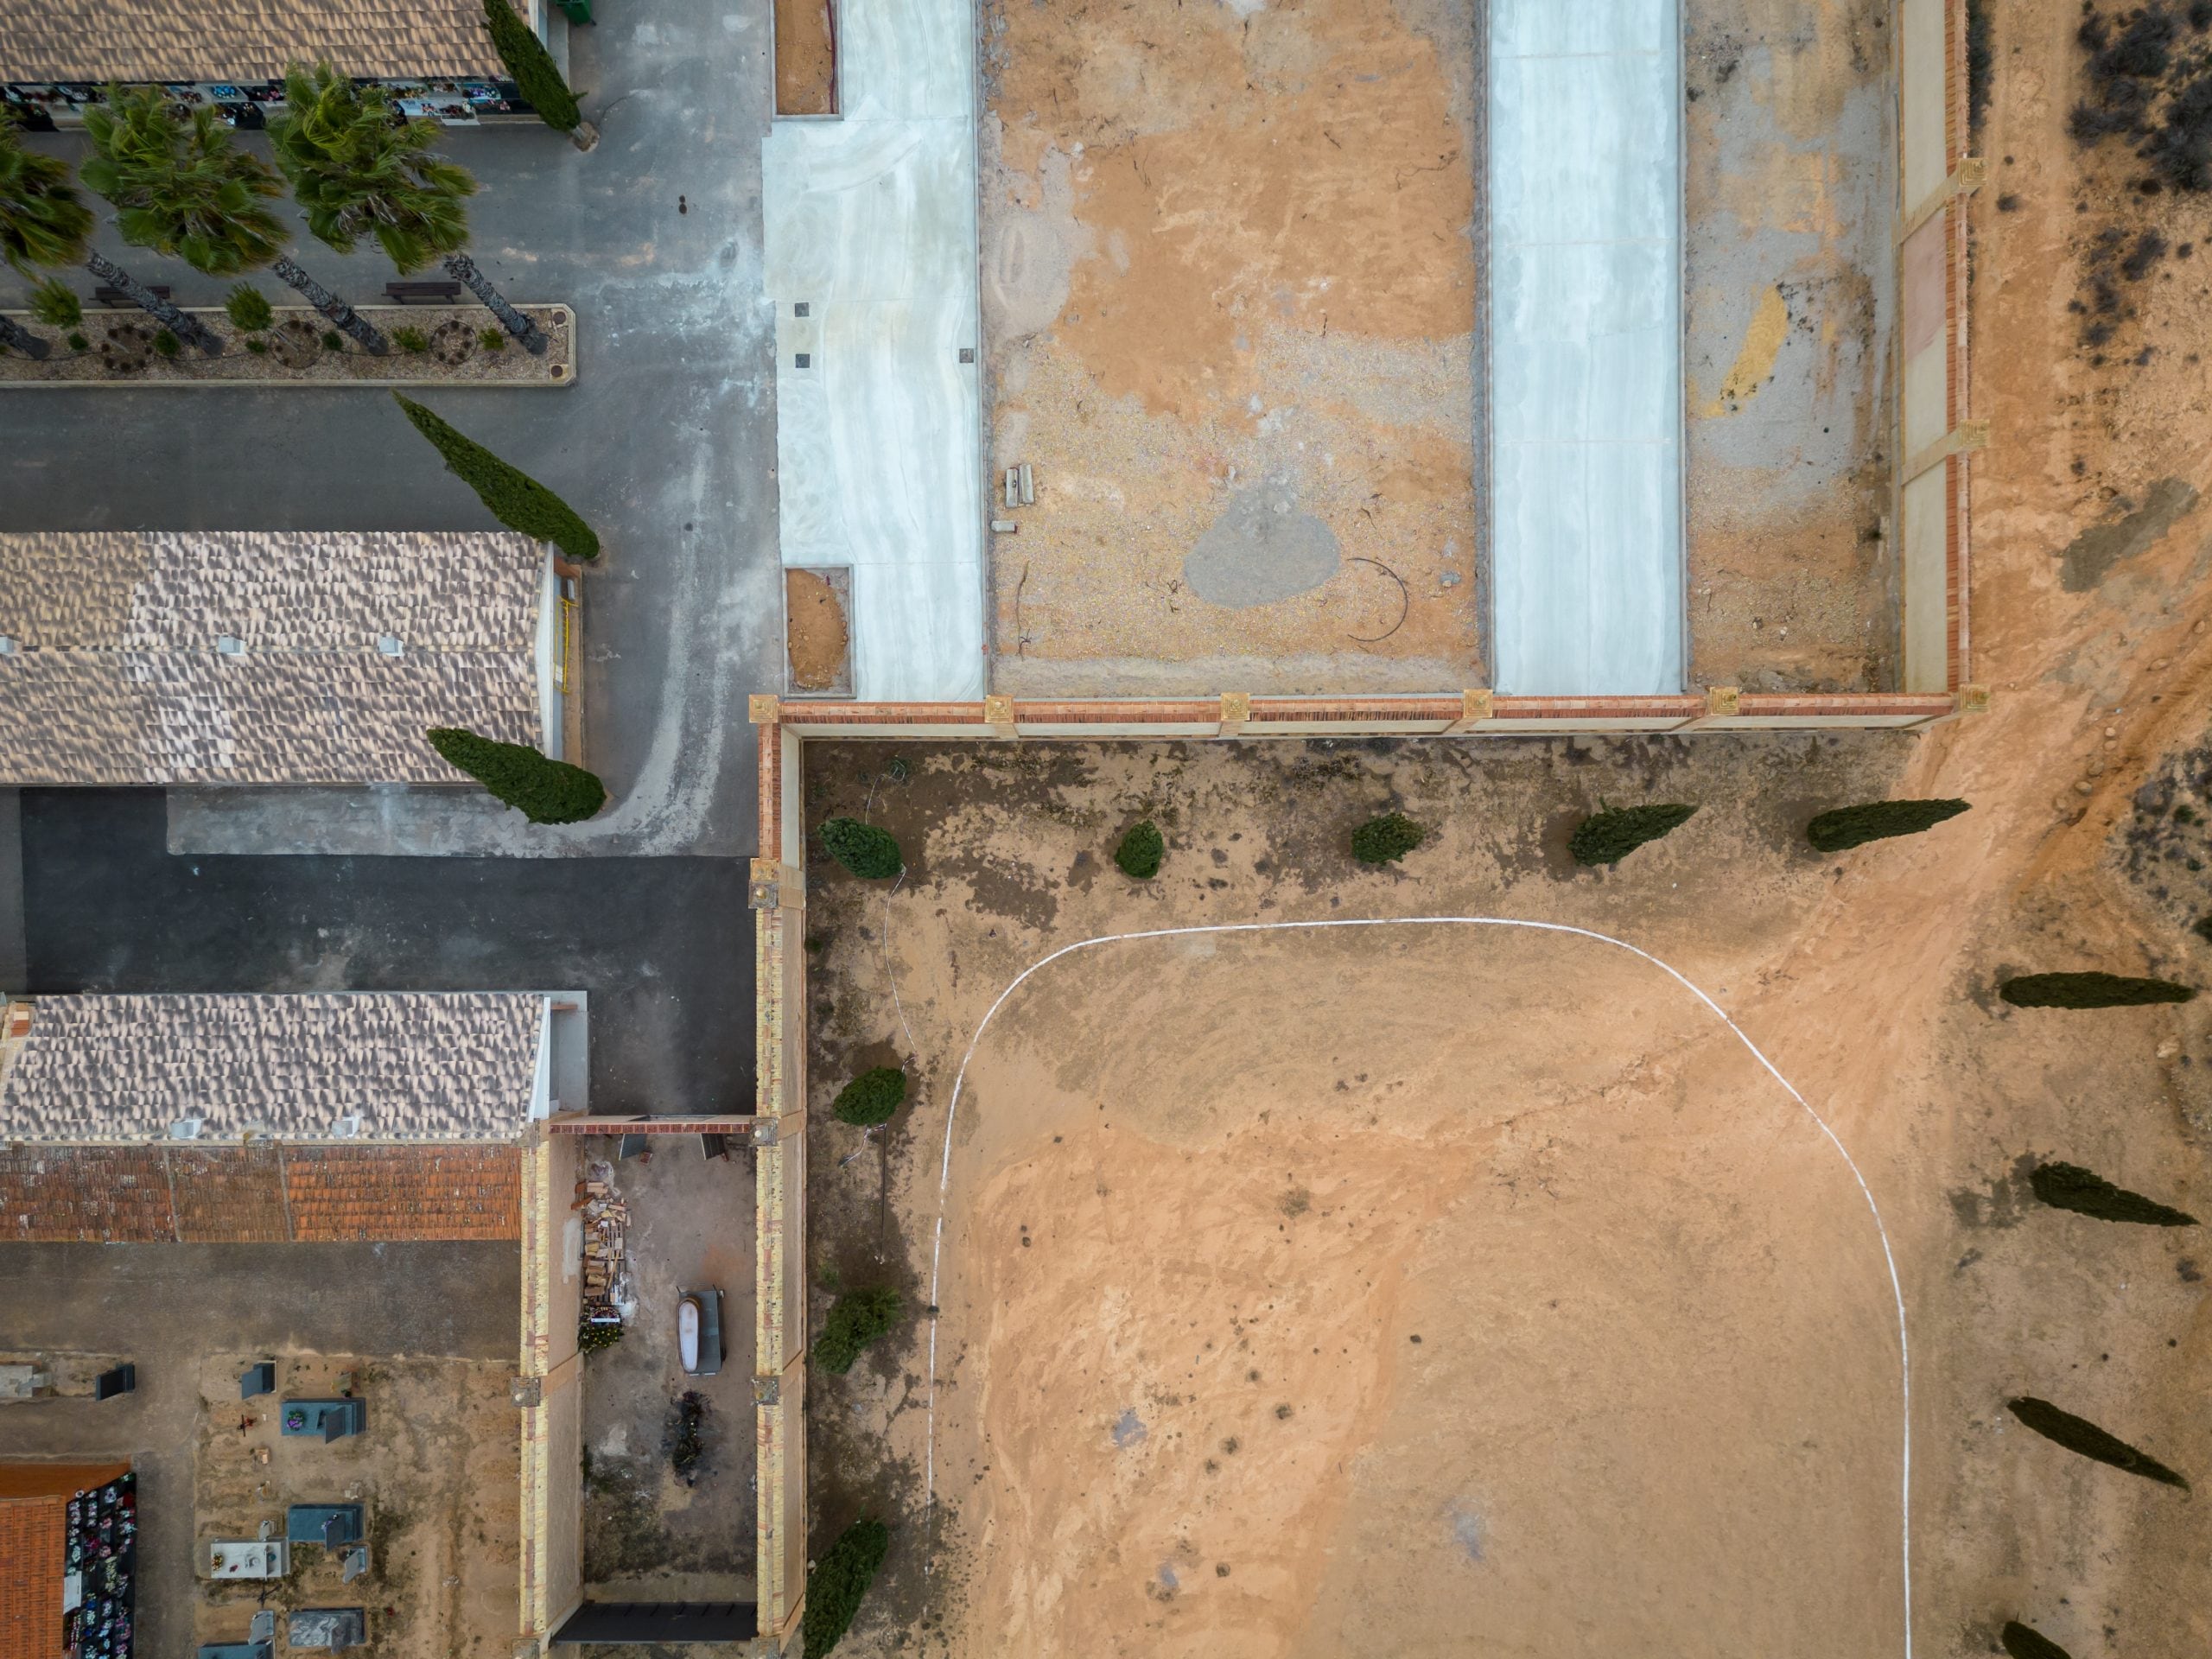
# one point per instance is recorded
(1897, 1290)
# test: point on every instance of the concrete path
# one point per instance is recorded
(871, 226)
(1585, 346)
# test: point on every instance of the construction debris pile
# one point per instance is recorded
(606, 1223)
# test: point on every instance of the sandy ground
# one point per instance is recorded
(437, 1471)
(817, 639)
(1791, 186)
(1229, 298)
(806, 58)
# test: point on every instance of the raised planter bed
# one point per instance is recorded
(120, 351)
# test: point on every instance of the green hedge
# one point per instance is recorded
(1387, 839)
(511, 495)
(871, 1097)
(545, 790)
(856, 1319)
(2025, 1643)
(537, 76)
(1854, 826)
(869, 852)
(840, 1579)
(1141, 851)
(2078, 1435)
(1609, 836)
(2090, 991)
(2070, 1186)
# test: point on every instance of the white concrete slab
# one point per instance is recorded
(870, 224)
(1586, 292)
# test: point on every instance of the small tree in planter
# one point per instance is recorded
(1854, 826)
(1387, 839)
(871, 1098)
(2090, 991)
(2023, 1642)
(1610, 835)
(2078, 1434)
(869, 852)
(857, 1318)
(1140, 851)
(543, 790)
(513, 496)
(2070, 1186)
(841, 1578)
(182, 188)
(537, 76)
(44, 223)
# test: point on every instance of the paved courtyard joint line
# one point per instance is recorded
(1889, 1258)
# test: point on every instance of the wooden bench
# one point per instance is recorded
(115, 297)
(422, 293)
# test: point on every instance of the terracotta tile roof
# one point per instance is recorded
(259, 1193)
(414, 1066)
(34, 1535)
(115, 676)
(241, 39)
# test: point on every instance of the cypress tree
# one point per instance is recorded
(1387, 839)
(2070, 1186)
(535, 75)
(512, 496)
(869, 852)
(2078, 1434)
(840, 1579)
(872, 1097)
(1141, 851)
(2023, 1642)
(1608, 836)
(856, 1320)
(2090, 991)
(1854, 826)
(544, 790)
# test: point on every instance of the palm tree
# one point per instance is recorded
(360, 170)
(43, 221)
(181, 188)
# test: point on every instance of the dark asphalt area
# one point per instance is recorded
(663, 945)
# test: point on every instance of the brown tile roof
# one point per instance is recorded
(259, 1193)
(414, 1066)
(115, 676)
(241, 39)
(34, 1538)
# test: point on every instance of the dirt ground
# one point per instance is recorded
(1791, 190)
(806, 58)
(816, 639)
(437, 1471)
(1229, 295)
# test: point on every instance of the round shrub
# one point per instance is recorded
(1608, 836)
(869, 852)
(856, 1320)
(840, 1578)
(872, 1097)
(1141, 851)
(1854, 826)
(333, 340)
(2090, 991)
(2070, 1186)
(410, 339)
(248, 309)
(166, 343)
(1387, 839)
(493, 340)
(78, 343)
(55, 304)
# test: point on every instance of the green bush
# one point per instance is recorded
(408, 338)
(869, 852)
(840, 1579)
(2089, 991)
(535, 74)
(78, 343)
(493, 340)
(871, 1097)
(1387, 839)
(257, 346)
(2078, 1434)
(1854, 826)
(54, 303)
(2070, 1186)
(2025, 1643)
(515, 498)
(592, 1335)
(333, 340)
(1609, 835)
(544, 790)
(248, 309)
(166, 343)
(1140, 851)
(856, 1319)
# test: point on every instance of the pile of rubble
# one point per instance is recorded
(606, 1223)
